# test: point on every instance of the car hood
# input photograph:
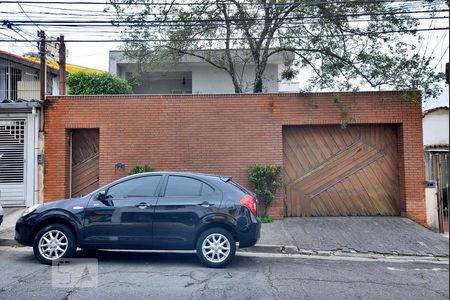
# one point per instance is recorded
(67, 204)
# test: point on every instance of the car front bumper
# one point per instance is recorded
(24, 232)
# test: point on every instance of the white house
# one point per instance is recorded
(192, 75)
(19, 128)
(436, 127)
(436, 147)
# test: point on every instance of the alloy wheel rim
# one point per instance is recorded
(216, 248)
(53, 244)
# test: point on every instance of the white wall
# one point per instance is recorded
(207, 79)
(436, 128)
(432, 209)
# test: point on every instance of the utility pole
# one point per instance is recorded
(447, 73)
(62, 66)
(42, 73)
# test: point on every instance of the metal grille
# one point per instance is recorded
(12, 142)
(18, 81)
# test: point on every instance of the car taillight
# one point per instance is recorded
(250, 202)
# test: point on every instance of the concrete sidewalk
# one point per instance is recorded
(324, 235)
(378, 235)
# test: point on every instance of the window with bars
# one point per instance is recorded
(12, 142)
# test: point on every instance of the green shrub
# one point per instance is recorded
(265, 219)
(84, 83)
(140, 169)
(266, 180)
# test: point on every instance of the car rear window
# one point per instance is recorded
(183, 186)
(240, 187)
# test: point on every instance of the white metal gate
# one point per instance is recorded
(12, 161)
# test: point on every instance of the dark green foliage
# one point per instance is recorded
(140, 169)
(344, 45)
(84, 83)
(266, 180)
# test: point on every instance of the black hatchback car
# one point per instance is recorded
(157, 210)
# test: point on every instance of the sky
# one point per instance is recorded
(96, 55)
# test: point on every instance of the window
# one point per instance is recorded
(183, 186)
(137, 187)
(207, 190)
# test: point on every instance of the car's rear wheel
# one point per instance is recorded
(216, 247)
(54, 242)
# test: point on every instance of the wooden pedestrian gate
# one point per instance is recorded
(437, 169)
(12, 161)
(84, 154)
(329, 171)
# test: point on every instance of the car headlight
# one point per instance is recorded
(30, 209)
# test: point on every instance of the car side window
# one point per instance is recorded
(136, 187)
(183, 186)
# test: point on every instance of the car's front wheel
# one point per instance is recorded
(216, 247)
(53, 242)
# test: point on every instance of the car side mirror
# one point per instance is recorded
(101, 196)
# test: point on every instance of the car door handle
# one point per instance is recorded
(206, 204)
(142, 205)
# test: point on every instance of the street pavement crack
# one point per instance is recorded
(271, 283)
(391, 284)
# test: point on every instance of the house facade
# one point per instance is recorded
(19, 78)
(19, 152)
(21, 132)
(21, 144)
(374, 166)
(436, 147)
(191, 75)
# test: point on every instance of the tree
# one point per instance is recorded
(83, 83)
(343, 44)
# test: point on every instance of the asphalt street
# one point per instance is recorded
(136, 275)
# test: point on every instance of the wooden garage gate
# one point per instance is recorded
(329, 171)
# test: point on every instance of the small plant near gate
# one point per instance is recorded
(140, 169)
(266, 180)
(265, 219)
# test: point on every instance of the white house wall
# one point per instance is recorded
(436, 128)
(208, 79)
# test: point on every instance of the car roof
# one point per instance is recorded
(195, 174)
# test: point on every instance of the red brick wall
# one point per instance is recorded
(222, 134)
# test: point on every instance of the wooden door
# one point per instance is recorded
(329, 171)
(85, 161)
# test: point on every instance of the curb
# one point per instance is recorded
(291, 249)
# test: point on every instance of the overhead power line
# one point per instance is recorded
(27, 15)
(48, 22)
(312, 3)
(231, 38)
